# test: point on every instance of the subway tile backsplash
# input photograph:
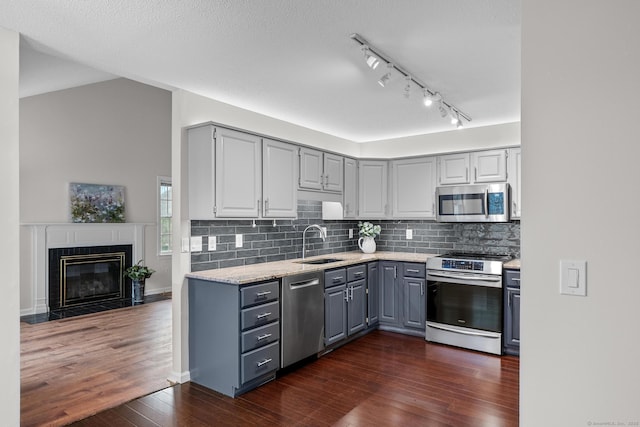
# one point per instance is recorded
(266, 242)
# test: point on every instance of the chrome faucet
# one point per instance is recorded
(323, 235)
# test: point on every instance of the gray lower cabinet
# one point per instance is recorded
(402, 298)
(414, 301)
(345, 302)
(389, 292)
(234, 334)
(511, 333)
(373, 293)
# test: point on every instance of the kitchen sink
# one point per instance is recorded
(319, 261)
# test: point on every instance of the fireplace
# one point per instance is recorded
(87, 275)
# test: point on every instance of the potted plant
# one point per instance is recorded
(368, 232)
(138, 273)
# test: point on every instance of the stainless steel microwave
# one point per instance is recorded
(473, 203)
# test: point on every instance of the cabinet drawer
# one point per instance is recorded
(335, 277)
(259, 362)
(259, 315)
(258, 294)
(258, 337)
(357, 272)
(512, 278)
(414, 269)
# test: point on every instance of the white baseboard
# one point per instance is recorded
(179, 377)
(158, 291)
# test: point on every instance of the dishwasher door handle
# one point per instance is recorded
(304, 284)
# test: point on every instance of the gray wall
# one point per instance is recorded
(266, 243)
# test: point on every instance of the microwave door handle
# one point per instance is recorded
(486, 203)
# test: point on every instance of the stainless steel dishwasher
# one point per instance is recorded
(302, 319)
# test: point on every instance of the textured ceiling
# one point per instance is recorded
(289, 59)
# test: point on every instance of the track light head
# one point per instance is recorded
(384, 79)
(429, 98)
(455, 119)
(371, 60)
(442, 109)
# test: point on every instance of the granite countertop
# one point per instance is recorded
(244, 274)
(514, 264)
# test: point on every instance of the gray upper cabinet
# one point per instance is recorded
(279, 173)
(238, 174)
(474, 167)
(413, 188)
(350, 194)
(201, 158)
(515, 176)
(373, 189)
(453, 169)
(320, 171)
(489, 166)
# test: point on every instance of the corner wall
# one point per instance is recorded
(580, 152)
(114, 132)
(10, 225)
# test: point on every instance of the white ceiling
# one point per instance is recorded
(289, 59)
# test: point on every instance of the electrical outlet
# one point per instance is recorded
(238, 240)
(351, 233)
(409, 234)
(212, 243)
(196, 244)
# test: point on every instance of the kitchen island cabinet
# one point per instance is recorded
(234, 334)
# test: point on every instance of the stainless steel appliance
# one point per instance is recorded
(473, 203)
(464, 301)
(302, 319)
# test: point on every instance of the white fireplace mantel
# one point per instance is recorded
(68, 235)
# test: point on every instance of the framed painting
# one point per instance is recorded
(96, 203)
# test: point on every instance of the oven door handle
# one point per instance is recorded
(466, 277)
(458, 331)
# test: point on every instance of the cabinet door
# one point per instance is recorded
(310, 169)
(389, 293)
(335, 314)
(279, 173)
(413, 183)
(201, 183)
(414, 303)
(489, 166)
(372, 189)
(238, 174)
(357, 307)
(512, 321)
(373, 293)
(333, 173)
(453, 169)
(515, 174)
(350, 194)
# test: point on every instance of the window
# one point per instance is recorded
(165, 196)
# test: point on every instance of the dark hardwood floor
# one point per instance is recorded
(72, 368)
(382, 379)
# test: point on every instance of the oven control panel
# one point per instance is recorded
(455, 264)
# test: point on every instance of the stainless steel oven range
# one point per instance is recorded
(464, 301)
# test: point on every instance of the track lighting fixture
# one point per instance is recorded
(373, 57)
(386, 77)
(371, 60)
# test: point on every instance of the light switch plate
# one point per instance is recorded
(409, 234)
(211, 243)
(185, 244)
(196, 243)
(238, 240)
(573, 277)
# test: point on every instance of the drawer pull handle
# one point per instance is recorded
(338, 278)
(262, 294)
(263, 315)
(263, 337)
(411, 270)
(264, 362)
(515, 279)
(358, 273)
